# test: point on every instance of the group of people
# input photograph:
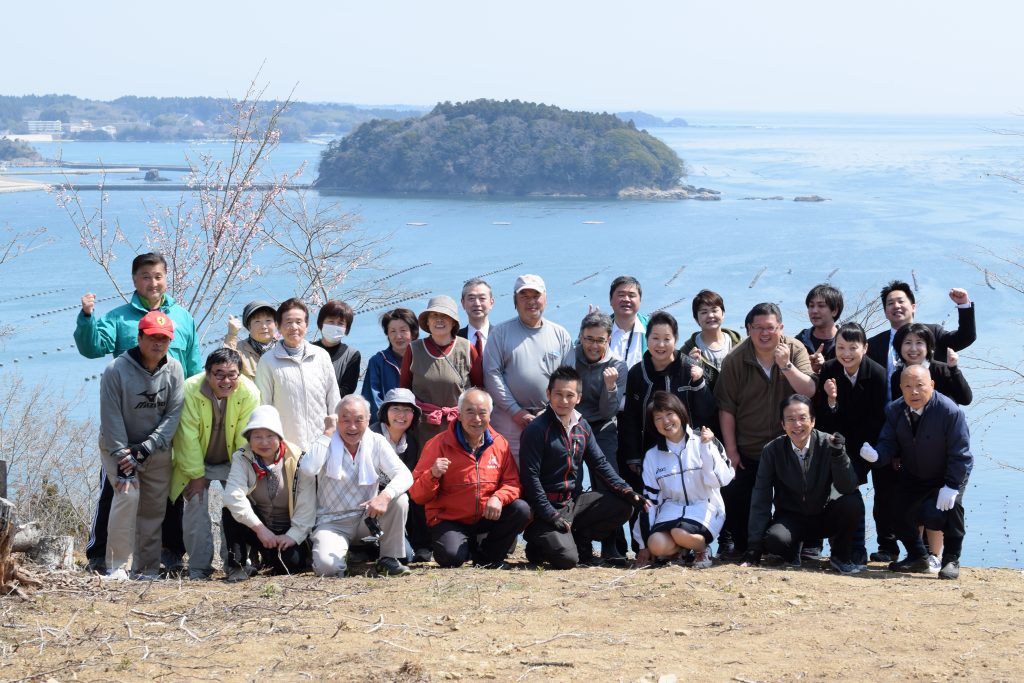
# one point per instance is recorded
(462, 439)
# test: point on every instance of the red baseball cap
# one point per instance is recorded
(157, 322)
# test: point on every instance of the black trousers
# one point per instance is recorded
(887, 508)
(454, 543)
(919, 509)
(172, 537)
(837, 521)
(593, 516)
(242, 541)
(736, 496)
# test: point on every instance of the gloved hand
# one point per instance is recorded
(636, 500)
(868, 453)
(837, 440)
(946, 499)
(562, 524)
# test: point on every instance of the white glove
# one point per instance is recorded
(947, 497)
(868, 453)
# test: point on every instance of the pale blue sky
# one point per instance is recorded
(870, 56)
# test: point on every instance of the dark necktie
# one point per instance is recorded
(479, 345)
(914, 420)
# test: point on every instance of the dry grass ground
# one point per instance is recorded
(722, 624)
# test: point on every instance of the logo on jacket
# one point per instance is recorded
(151, 400)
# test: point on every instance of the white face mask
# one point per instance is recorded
(333, 333)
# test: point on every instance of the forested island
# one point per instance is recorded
(487, 147)
(14, 149)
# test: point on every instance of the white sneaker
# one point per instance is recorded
(119, 574)
(934, 564)
(702, 560)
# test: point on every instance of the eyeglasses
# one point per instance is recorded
(221, 376)
(598, 341)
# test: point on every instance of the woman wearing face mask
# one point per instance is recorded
(439, 367)
(334, 322)
(915, 345)
(258, 319)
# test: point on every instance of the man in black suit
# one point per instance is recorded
(900, 306)
(477, 301)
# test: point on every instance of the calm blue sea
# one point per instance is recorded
(906, 196)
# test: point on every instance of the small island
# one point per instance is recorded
(507, 148)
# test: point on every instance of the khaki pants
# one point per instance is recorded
(331, 540)
(197, 528)
(133, 529)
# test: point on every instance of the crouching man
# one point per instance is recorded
(553, 449)
(468, 482)
(141, 396)
(807, 476)
(340, 472)
(926, 438)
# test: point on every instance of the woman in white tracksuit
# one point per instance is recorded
(683, 475)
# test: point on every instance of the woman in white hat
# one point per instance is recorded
(439, 367)
(397, 419)
(259, 500)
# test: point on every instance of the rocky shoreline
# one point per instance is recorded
(682, 192)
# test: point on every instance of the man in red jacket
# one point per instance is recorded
(468, 482)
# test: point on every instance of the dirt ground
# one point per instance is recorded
(599, 624)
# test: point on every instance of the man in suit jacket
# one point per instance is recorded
(900, 305)
(477, 301)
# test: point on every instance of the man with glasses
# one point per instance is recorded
(763, 369)
(603, 382)
(218, 403)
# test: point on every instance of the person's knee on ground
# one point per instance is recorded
(779, 540)
(451, 549)
(329, 551)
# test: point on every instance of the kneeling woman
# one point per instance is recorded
(259, 500)
(682, 477)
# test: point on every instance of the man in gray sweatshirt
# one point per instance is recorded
(141, 395)
(520, 355)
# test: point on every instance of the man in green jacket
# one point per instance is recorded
(217, 406)
(114, 333)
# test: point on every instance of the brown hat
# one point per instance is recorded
(157, 322)
(442, 303)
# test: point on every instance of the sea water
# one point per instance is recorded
(917, 199)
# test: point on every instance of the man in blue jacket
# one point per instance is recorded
(926, 437)
(97, 336)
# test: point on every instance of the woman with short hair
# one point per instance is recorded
(259, 318)
(297, 377)
(384, 368)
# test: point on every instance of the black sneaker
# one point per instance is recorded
(237, 575)
(96, 566)
(883, 556)
(173, 564)
(389, 566)
(844, 567)
(917, 565)
(422, 555)
(614, 558)
(950, 570)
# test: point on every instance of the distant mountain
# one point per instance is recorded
(644, 120)
(178, 118)
(500, 148)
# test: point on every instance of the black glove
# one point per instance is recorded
(139, 453)
(837, 440)
(636, 500)
(562, 524)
